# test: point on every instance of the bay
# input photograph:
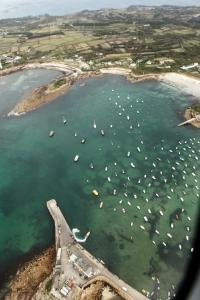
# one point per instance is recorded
(152, 165)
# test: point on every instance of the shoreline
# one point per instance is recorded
(189, 85)
(30, 274)
(40, 96)
(129, 76)
(44, 94)
(189, 114)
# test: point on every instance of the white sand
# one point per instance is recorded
(189, 85)
(116, 71)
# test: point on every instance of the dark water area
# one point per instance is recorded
(146, 227)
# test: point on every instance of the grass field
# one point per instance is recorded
(116, 34)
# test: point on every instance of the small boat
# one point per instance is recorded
(101, 204)
(94, 125)
(76, 158)
(83, 141)
(51, 133)
(102, 132)
(91, 166)
(64, 120)
(95, 193)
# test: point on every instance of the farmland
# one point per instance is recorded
(149, 38)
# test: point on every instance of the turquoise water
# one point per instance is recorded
(17, 85)
(157, 183)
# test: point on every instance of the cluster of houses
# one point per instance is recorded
(7, 59)
(159, 63)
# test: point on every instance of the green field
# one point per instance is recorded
(112, 35)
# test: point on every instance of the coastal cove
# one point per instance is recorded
(34, 168)
(49, 92)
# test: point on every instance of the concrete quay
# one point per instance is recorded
(75, 268)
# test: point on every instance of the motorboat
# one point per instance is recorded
(102, 132)
(76, 158)
(51, 133)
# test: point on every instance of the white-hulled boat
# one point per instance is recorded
(76, 158)
(51, 133)
(102, 132)
(64, 120)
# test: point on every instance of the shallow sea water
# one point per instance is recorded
(152, 165)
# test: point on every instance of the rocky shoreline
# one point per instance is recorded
(29, 276)
(12, 70)
(189, 114)
(46, 93)
(39, 97)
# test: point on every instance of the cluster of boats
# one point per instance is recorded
(151, 185)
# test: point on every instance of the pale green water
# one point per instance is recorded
(35, 168)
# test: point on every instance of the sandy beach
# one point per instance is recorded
(187, 84)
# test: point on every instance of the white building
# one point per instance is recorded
(17, 59)
(194, 65)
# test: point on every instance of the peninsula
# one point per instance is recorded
(187, 84)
